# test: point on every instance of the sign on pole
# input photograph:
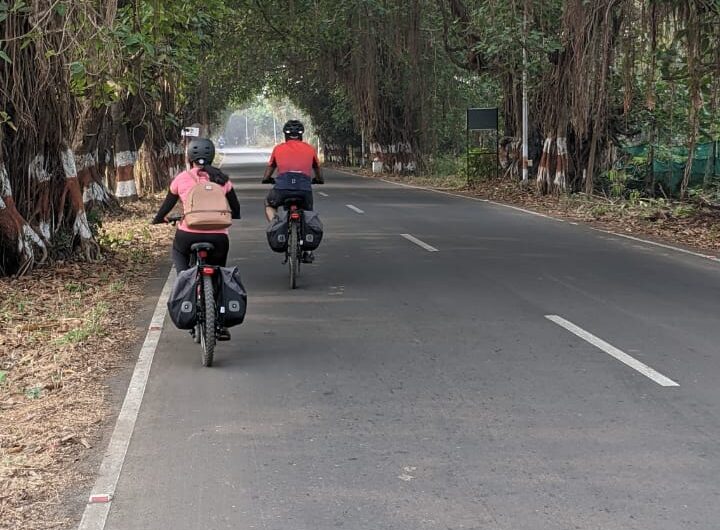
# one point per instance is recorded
(483, 122)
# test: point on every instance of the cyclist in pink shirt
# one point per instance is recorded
(201, 153)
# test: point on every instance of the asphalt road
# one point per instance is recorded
(404, 388)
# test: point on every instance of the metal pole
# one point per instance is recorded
(524, 102)
(497, 150)
(275, 129)
(467, 148)
(362, 147)
(247, 135)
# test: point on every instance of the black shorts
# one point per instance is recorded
(276, 198)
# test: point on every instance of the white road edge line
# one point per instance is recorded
(96, 513)
(355, 208)
(420, 243)
(709, 257)
(323, 194)
(613, 351)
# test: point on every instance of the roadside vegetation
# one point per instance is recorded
(63, 330)
(623, 96)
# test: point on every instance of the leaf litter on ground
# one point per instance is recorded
(64, 329)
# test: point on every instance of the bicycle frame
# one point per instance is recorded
(295, 217)
(295, 240)
(207, 318)
(203, 269)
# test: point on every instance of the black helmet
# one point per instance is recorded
(201, 151)
(294, 129)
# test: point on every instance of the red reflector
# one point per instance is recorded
(295, 216)
(203, 253)
(208, 271)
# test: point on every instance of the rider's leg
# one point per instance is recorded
(221, 248)
(308, 200)
(272, 203)
(308, 255)
(218, 257)
(270, 213)
(181, 250)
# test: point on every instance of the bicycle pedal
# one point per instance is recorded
(222, 337)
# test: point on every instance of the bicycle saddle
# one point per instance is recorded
(197, 247)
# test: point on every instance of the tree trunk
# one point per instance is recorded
(81, 228)
(23, 247)
(85, 148)
(128, 118)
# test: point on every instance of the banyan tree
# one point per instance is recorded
(95, 92)
(41, 196)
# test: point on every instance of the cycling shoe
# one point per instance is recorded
(222, 334)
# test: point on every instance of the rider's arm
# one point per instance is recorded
(318, 172)
(269, 170)
(170, 201)
(234, 204)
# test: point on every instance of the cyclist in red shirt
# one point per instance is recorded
(294, 161)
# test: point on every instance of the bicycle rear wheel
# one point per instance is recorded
(293, 257)
(207, 329)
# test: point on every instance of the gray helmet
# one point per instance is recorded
(201, 151)
(294, 129)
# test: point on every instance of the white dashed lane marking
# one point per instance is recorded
(419, 243)
(620, 355)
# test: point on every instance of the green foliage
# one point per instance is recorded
(35, 392)
(618, 182)
(91, 327)
(446, 165)
(684, 211)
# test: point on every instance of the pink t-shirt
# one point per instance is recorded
(183, 183)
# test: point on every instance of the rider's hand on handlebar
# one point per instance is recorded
(172, 219)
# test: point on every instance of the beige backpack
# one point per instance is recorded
(207, 208)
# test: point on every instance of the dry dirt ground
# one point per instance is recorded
(64, 329)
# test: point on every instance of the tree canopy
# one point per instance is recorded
(95, 92)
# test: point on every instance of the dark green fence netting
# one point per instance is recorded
(669, 164)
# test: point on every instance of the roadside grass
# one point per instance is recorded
(63, 330)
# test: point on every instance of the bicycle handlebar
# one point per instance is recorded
(174, 218)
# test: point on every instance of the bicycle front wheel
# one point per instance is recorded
(207, 329)
(293, 258)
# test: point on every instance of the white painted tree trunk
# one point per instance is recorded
(28, 240)
(543, 180)
(81, 227)
(126, 188)
(560, 182)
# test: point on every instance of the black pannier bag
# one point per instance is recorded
(277, 233)
(232, 297)
(313, 231)
(182, 304)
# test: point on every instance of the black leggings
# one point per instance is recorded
(184, 240)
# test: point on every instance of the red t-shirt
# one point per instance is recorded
(294, 155)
